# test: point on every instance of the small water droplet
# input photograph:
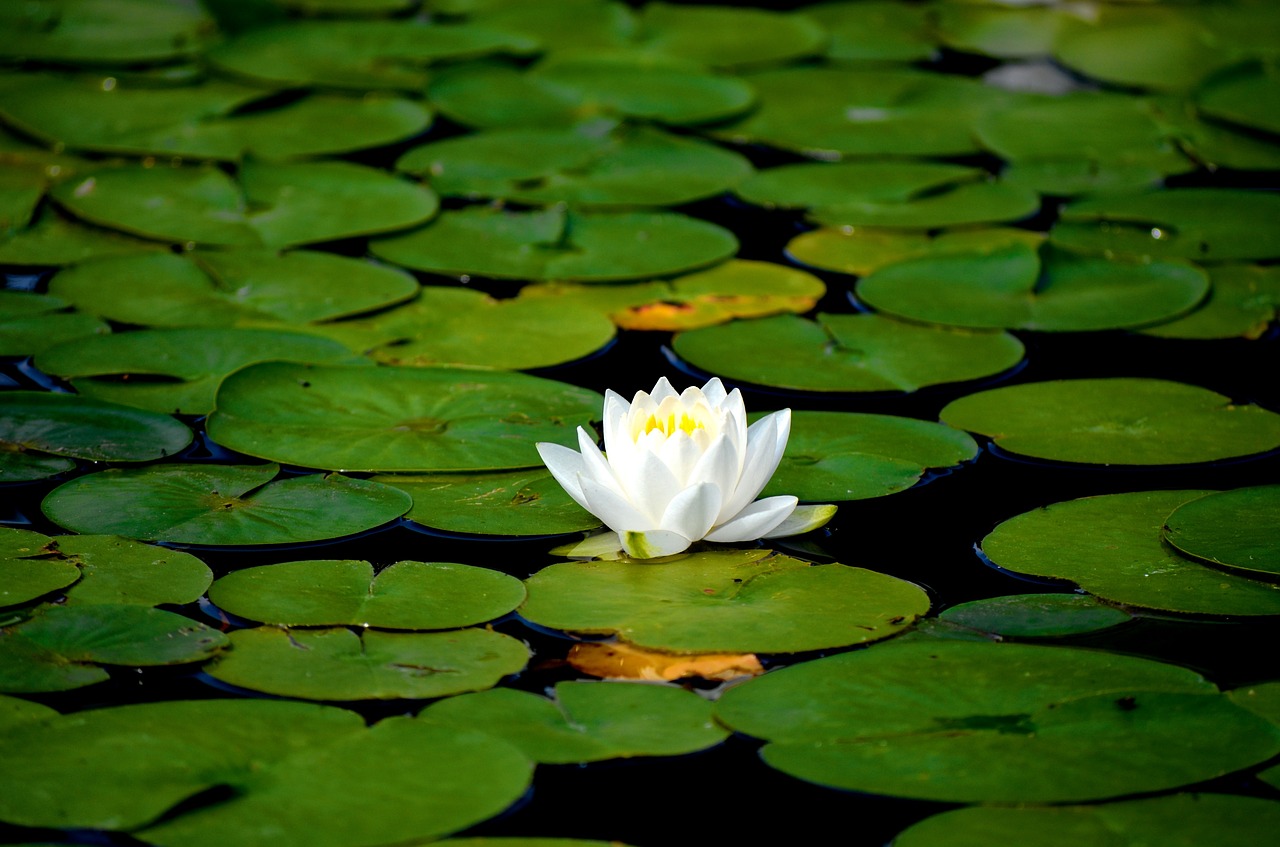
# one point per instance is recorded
(1158, 234)
(109, 83)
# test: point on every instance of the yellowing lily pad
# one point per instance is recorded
(1233, 529)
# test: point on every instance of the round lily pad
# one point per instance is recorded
(451, 325)
(633, 166)
(851, 456)
(860, 250)
(221, 504)
(740, 601)
(1234, 529)
(73, 427)
(876, 31)
(274, 204)
(25, 572)
(396, 419)
(1242, 302)
(528, 502)
(961, 721)
(1248, 95)
(561, 245)
(30, 322)
(92, 32)
(861, 352)
(1180, 820)
(1014, 288)
(1112, 546)
(227, 287)
(1035, 615)
(1118, 421)
(406, 595)
(338, 664)
(586, 721)
(58, 648)
(1209, 224)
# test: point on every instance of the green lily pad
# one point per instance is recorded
(861, 352)
(829, 113)
(861, 250)
(1262, 700)
(338, 664)
(20, 190)
(359, 55)
(276, 205)
(633, 166)
(221, 504)
(1209, 224)
(727, 36)
(1077, 177)
(735, 288)
(876, 31)
(560, 245)
(1243, 301)
(559, 26)
(526, 502)
(1015, 288)
(229, 287)
(736, 601)
(1248, 95)
(73, 427)
(30, 322)
(1118, 421)
(1234, 529)
(1111, 546)
(1001, 30)
(94, 32)
(1035, 615)
(176, 370)
(586, 721)
(58, 648)
(54, 240)
(961, 721)
(205, 120)
(461, 326)
(406, 595)
(396, 419)
(26, 573)
(852, 456)
(1180, 820)
(14, 711)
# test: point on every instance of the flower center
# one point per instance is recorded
(669, 424)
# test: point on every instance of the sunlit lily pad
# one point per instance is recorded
(406, 595)
(59, 648)
(451, 325)
(586, 721)
(338, 664)
(357, 54)
(1243, 302)
(876, 31)
(1035, 615)
(1210, 224)
(396, 419)
(1112, 546)
(1234, 529)
(176, 370)
(276, 205)
(527, 502)
(1118, 421)
(1015, 288)
(861, 352)
(850, 456)
(227, 287)
(962, 721)
(94, 32)
(861, 250)
(73, 427)
(54, 239)
(634, 166)
(740, 601)
(1180, 820)
(560, 245)
(221, 504)
(30, 322)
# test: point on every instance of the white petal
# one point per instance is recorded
(680, 453)
(650, 485)
(662, 390)
(653, 543)
(595, 465)
(615, 419)
(714, 391)
(755, 521)
(693, 511)
(758, 465)
(566, 466)
(718, 466)
(803, 519)
(619, 515)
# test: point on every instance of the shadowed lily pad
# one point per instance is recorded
(586, 721)
(1234, 529)
(1247, 95)
(25, 572)
(876, 30)
(1112, 546)
(94, 32)
(396, 419)
(1035, 615)
(30, 322)
(1243, 302)
(54, 239)
(222, 504)
(406, 595)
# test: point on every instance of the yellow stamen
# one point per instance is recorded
(669, 425)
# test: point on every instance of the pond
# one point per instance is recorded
(294, 287)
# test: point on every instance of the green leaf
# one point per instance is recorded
(84, 428)
(56, 240)
(93, 32)
(30, 322)
(726, 36)
(1242, 303)
(876, 31)
(26, 572)
(1035, 615)
(1234, 529)
(114, 570)
(1248, 95)
(860, 251)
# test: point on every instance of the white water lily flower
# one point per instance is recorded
(678, 468)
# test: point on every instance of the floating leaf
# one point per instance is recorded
(26, 573)
(92, 32)
(738, 601)
(221, 504)
(406, 595)
(559, 26)
(860, 352)
(1248, 95)
(586, 721)
(56, 240)
(726, 36)
(1243, 302)
(338, 664)
(555, 244)
(860, 251)
(14, 711)
(876, 31)
(1262, 700)
(1035, 615)
(1004, 31)
(1118, 421)
(1111, 546)
(396, 419)
(30, 322)
(618, 660)
(1234, 529)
